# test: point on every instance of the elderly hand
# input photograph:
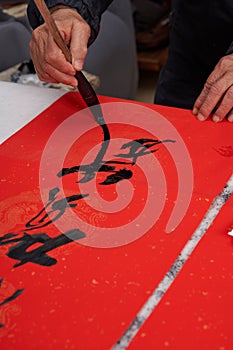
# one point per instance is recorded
(217, 94)
(49, 61)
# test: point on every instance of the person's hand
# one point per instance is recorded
(49, 61)
(216, 98)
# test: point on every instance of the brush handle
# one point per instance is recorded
(85, 88)
(44, 11)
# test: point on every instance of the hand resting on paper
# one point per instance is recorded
(49, 61)
(217, 94)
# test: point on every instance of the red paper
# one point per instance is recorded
(196, 311)
(93, 287)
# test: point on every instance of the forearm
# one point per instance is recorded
(90, 10)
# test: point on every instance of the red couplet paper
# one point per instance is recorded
(196, 311)
(94, 212)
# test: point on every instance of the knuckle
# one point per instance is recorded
(36, 34)
(87, 28)
(50, 58)
(83, 26)
(45, 68)
(230, 93)
(224, 62)
(212, 85)
(33, 37)
(208, 84)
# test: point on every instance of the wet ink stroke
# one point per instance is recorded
(137, 148)
(21, 241)
(55, 208)
(15, 295)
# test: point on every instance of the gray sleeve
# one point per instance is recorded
(230, 49)
(90, 10)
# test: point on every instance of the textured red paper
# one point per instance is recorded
(90, 296)
(196, 311)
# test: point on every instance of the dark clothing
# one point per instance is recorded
(201, 33)
(90, 10)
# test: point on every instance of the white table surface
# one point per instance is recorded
(19, 104)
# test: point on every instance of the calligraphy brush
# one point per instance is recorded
(87, 92)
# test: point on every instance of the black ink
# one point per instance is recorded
(52, 193)
(76, 169)
(117, 162)
(89, 171)
(135, 146)
(119, 175)
(23, 242)
(12, 297)
(38, 255)
(106, 168)
(43, 218)
(6, 239)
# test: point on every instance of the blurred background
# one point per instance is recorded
(124, 61)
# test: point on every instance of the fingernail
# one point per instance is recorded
(200, 117)
(216, 119)
(195, 111)
(78, 64)
(230, 118)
